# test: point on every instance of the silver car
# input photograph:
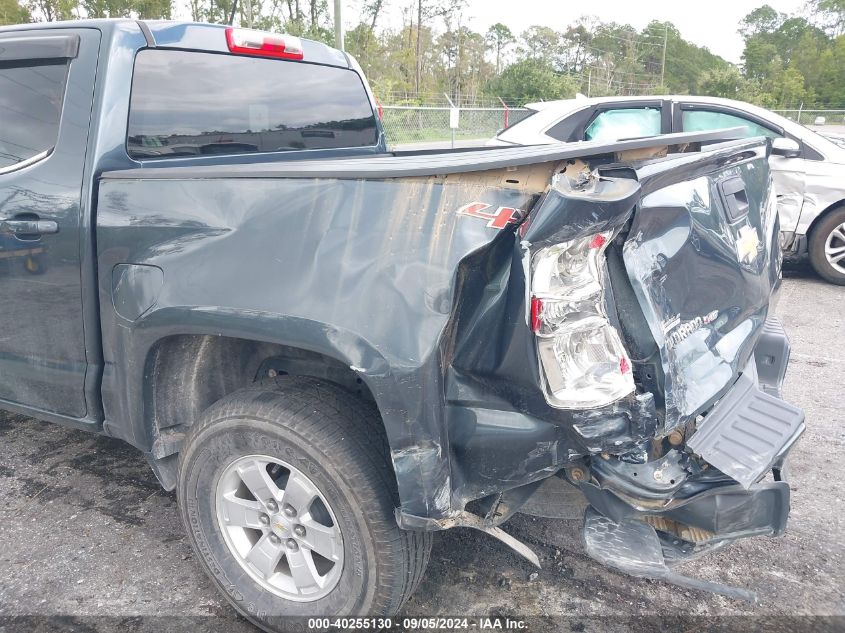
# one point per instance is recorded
(808, 167)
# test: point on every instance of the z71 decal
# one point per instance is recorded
(497, 217)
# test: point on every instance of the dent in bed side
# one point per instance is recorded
(235, 268)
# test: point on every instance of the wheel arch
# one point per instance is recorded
(180, 361)
(839, 204)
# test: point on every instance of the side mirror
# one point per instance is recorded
(786, 147)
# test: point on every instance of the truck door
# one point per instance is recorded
(46, 92)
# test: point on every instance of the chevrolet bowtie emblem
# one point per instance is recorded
(747, 244)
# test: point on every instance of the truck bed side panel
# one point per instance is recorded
(417, 283)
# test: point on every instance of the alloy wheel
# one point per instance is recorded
(279, 527)
(834, 248)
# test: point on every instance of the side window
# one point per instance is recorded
(622, 123)
(705, 120)
(198, 104)
(31, 94)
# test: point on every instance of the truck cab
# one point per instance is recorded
(54, 145)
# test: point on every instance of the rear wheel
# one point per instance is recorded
(287, 492)
(827, 247)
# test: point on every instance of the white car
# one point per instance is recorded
(808, 168)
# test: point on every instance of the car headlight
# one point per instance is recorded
(581, 356)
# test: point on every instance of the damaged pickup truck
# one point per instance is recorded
(331, 351)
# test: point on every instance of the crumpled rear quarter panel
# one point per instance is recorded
(426, 304)
(363, 271)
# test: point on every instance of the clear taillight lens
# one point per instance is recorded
(582, 359)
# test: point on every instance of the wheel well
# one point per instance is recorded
(186, 374)
(830, 209)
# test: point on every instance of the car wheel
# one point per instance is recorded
(287, 492)
(827, 247)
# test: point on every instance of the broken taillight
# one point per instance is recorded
(249, 42)
(582, 359)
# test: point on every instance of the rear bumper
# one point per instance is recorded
(647, 518)
(715, 490)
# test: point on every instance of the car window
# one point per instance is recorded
(31, 94)
(198, 104)
(705, 120)
(611, 125)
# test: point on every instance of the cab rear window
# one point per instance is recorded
(197, 104)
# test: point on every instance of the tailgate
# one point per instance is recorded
(703, 259)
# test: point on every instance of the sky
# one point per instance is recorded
(712, 23)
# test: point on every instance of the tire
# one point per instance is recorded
(338, 443)
(829, 232)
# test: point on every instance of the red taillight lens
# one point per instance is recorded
(536, 311)
(598, 241)
(248, 42)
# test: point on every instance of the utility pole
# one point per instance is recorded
(338, 26)
(663, 63)
(419, 62)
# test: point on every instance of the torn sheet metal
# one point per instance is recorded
(634, 547)
(790, 185)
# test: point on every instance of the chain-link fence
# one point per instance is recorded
(815, 117)
(407, 125)
(411, 124)
(440, 99)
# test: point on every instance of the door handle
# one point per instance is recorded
(28, 228)
(734, 197)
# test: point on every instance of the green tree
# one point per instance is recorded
(530, 80)
(831, 14)
(498, 38)
(756, 57)
(830, 84)
(685, 63)
(13, 13)
(541, 42)
(576, 42)
(789, 60)
(52, 10)
(761, 21)
(725, 82)
(145, 9)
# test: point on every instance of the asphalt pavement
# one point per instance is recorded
(87, 535)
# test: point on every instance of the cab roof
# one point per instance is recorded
(184, 35)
